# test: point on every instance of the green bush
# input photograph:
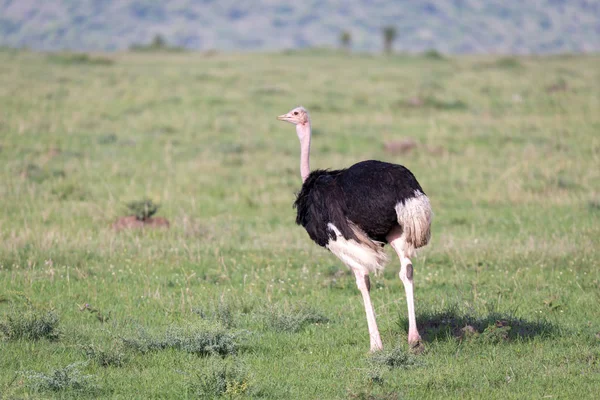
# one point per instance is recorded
(292, 319)
(113, 356)
(221, 378)
(30, 325)
(397, 357)
(69, 377)
(222, 312)
(202, 340)
(143, 209)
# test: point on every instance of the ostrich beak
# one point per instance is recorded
(283, 117)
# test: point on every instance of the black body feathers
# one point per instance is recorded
(364, 194)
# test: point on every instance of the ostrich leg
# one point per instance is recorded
(406, 276)
(364, 285)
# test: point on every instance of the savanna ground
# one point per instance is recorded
(233, 299)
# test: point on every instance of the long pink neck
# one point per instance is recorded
(303, 131)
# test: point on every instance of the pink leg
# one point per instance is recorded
(406, 275)
(364, 285)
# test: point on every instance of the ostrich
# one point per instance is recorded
(354, 212)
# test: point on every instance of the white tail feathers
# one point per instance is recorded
(414, 217)
(364, 254)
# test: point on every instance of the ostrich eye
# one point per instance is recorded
(295, 112)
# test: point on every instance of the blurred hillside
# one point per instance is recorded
(456, 26)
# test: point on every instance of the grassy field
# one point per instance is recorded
(233, 299)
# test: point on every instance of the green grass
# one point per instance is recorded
(233, 299)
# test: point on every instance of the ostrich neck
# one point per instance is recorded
(303, 131)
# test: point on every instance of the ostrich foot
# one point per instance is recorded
(417, 347)
(415, 343)
(375, 348)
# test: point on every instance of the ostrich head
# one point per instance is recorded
(298, 116)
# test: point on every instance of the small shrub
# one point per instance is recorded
(30, 325)
(222, 313)
(202, 340)
(385, 360)
(113, 356)
(394, 358)
(221, 378)
(143, 342)
(294, 319)
(143, 209)
(69, 377)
